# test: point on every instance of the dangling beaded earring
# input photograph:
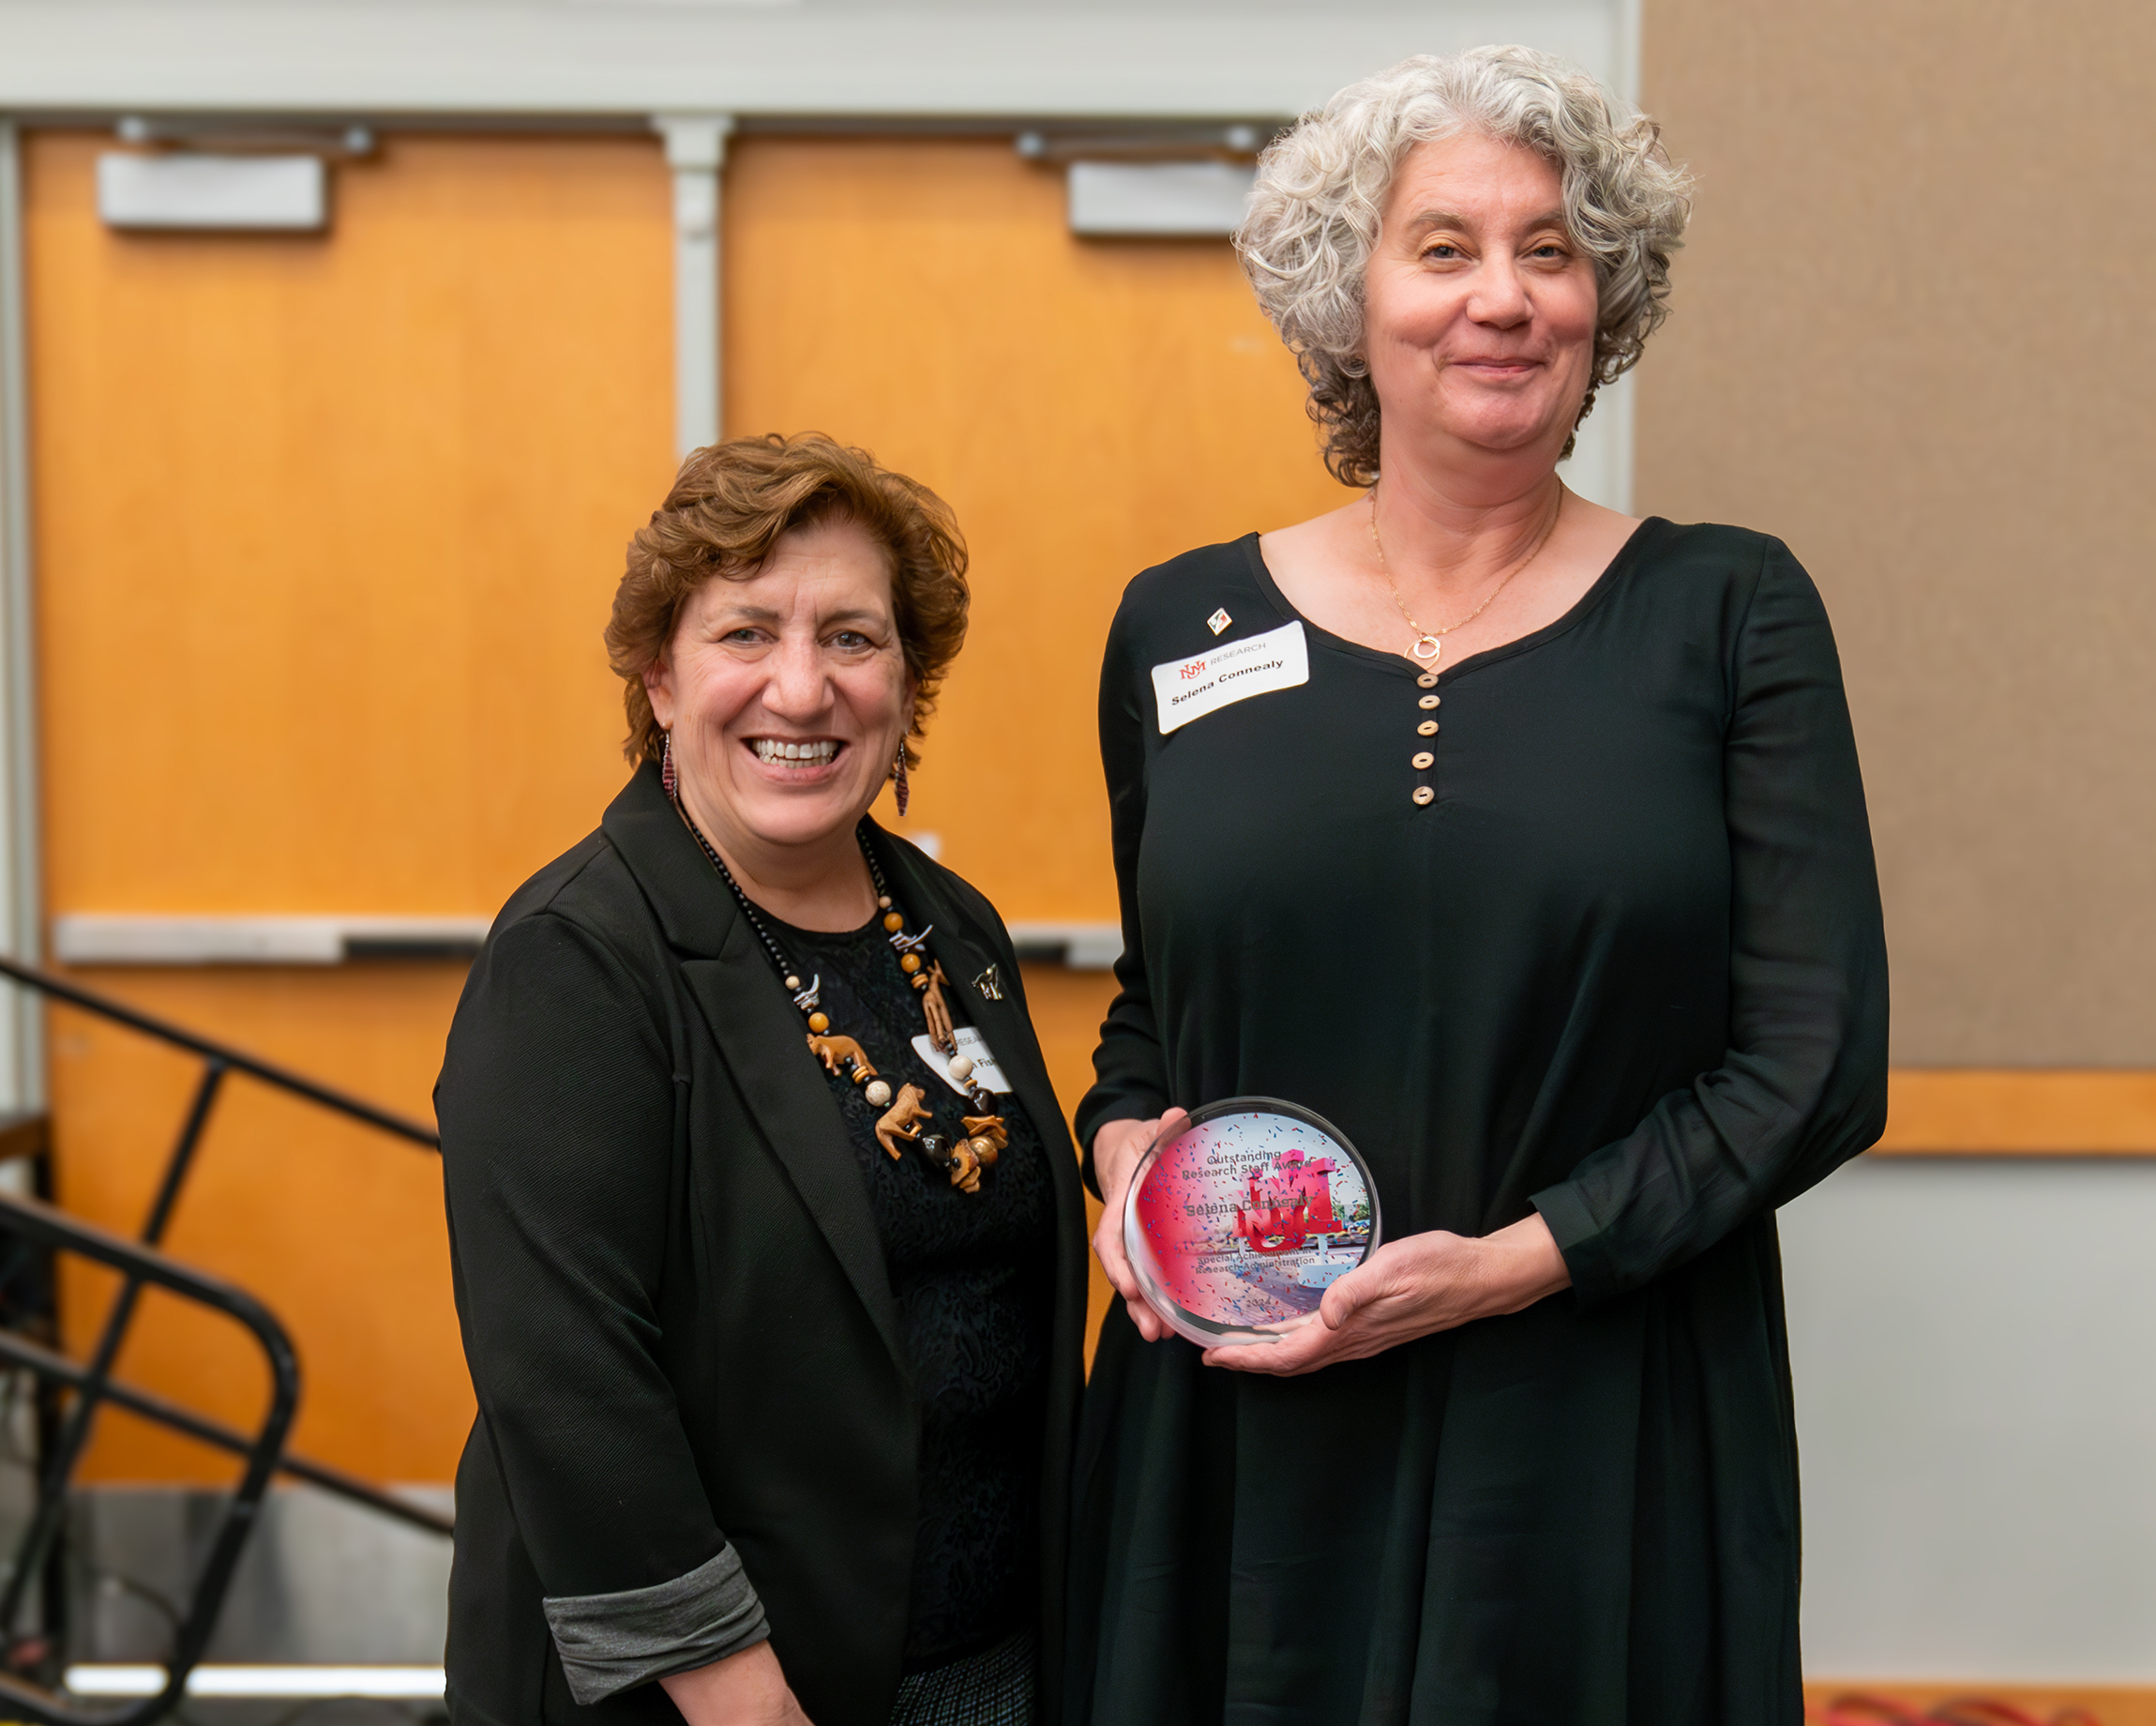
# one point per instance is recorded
(666, 776)
(898, 772)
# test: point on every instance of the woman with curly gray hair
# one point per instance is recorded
(1527, 843)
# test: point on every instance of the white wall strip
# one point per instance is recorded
(132, 938)
(696, 151)
(1182, 199)
(196, 188)
(22, 1018)
(388, 1683)
(1082, 947)
(94, 938)
(624, 57)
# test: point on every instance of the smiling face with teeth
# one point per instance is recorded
(785, 695)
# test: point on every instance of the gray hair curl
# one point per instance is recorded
(1320, 199)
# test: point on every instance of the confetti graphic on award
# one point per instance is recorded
(1238, 1223)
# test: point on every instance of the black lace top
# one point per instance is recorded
(972, 1274)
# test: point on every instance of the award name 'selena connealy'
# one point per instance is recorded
(1238, 1223)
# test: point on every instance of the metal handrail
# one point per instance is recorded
(92, 1383)
(237, 1061)
(142, 1266)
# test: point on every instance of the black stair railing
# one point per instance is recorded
(90, 1383)
(138, 1265)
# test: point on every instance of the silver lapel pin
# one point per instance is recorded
(989, 984)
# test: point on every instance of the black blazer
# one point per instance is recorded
(673, 1301)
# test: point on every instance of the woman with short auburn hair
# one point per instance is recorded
(768, 1241)
(1538, 862)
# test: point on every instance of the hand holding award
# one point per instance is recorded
(1237, 1221)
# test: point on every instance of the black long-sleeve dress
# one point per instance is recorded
(1621, 964)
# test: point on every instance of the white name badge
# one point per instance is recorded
(1188, 690)
(972, 1043)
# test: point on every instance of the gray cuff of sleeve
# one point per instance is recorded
(611, 1641)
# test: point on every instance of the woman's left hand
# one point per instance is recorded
(1411, 1288)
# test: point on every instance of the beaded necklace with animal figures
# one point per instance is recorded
(965, 1153)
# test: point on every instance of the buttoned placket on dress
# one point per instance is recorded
(1426, 758)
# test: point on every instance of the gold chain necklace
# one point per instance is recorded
(1433, 639)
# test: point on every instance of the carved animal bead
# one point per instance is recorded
(903, 1119)
(833, 1049)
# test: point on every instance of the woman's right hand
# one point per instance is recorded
(743, 1689)
(1116, 1149)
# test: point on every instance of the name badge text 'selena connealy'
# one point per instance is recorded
(1188, 690)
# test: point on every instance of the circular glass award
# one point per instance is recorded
(1239, 1221)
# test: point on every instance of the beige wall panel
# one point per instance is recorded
(1089, 407)
(1911, 337)
(328, 531)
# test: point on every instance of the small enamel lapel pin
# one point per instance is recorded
(1218, 621)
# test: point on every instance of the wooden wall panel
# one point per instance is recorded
(338, 1227)
(1978, 1111)
(2100, 1704)
(1089, 407)
(1067, 1009)
(327, 528)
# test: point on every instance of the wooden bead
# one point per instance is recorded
(893, 922)
(878, 1094)
(961, 1068)
(883, 902)
(820, 1023)
(909, 962)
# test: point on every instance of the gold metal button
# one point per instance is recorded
(1422, 759)
(1428, 680)
(1426, 702)
(1423, 793)
(1429, 728)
